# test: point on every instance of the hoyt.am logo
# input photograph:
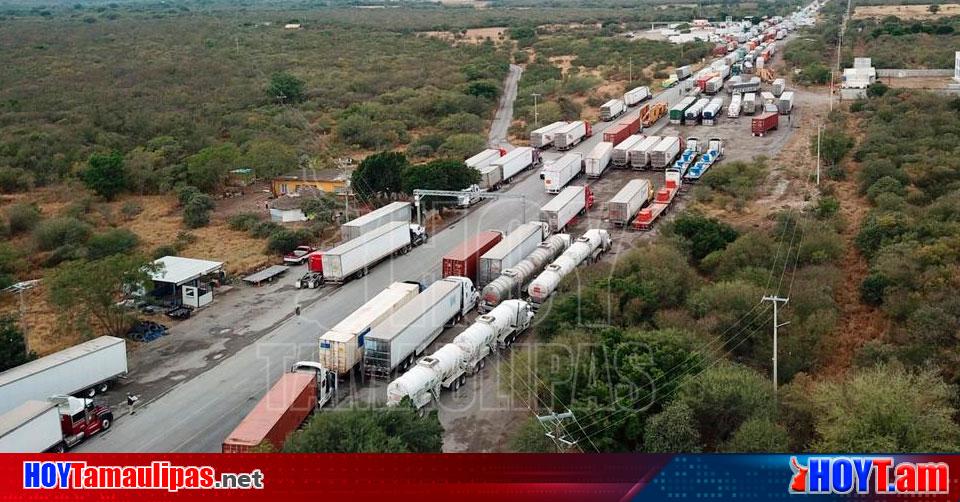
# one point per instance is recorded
(868, 475)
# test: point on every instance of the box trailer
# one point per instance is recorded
(563, 208)
(52, 425)
(677, 110)
(733, 109)
(621, 151)
(395, 211)
(400, 338)
(341, 348)
(596, 162)
(640, 153)
(509, 251)
(516, 161)
(711, 112)
(557, 174)
(665, 152)
(617, 133)
(612, 109)
(683, 72)
(356, 257)
(749, 106)
(631, 198)
(778, 86)
(767, 98)
(464, 260)
(484, 158)
(714, 85)
(491, 177)
(692, 115)
(636, 95)
(785, 105)
(764, 123)
(85, 369)
(571, 135)
(543, 137)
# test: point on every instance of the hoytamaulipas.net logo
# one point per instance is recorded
(868, 475)
(158, 475)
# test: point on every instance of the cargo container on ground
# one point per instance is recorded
(513, 280)
(764, 123)
(711, 112)
(665, 152)
(543, 137)
(562, 209)
(612, 109)
(53, 424)
(514, 247)
(596, 162)
(284, 408)
(395, 211)
(399, 339)
(778, 87)
(464, 260)
(661, 202)
(785, 105)
(621, 156)
(484, 158)
(677, 110)
(85, 369)
(749, 103)
(341, 348)
(768, 98)
(557, 174)
(516, 161)
(571, 135)
(640, 153)
(356, 257)
(636, 95)
(631, 198)
(587, 249)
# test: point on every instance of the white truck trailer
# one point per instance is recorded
(596, 162)
(636, 95)
(631, 198)
(356, 257)
(640, 153)
(400, 338)
(543, 137)
(778, 86)
(665, 152)
(483, 159)
(571, 135)
(733, 109)
(31, 427)
(516, 161)
(785, 105)
(612, 109)
(341, 348)
(572, 201)
(84, 369)
(749, 106)
(587, 248)
(557, 174)
(395, 211)
(621, 155)
(516, 246)
(692, 115)
(711, 112)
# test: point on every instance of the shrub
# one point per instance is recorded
(111, 242)
(243, 221)
(66, 252)
(264, 229)
(872, 289)
(105, 175)
(130, 210)
(185, 193)
(22, 217)
(14, 179)
(827, 207)
(55, 232)
(285, 240)
(164, 250)
(196, 213)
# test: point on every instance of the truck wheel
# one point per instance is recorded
(60, 448)
(102, 388)
(483, 362)
(89, 393)
(456, 385)
(105, 423)
(462, 380)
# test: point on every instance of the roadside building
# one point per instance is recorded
(186, 281)
(324, 180)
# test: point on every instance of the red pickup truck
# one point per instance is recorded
(298, 255)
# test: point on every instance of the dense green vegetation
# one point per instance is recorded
(390, 430)
(13, 350)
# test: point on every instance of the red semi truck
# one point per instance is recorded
(53, 425)
(762, 124)
(463, 261)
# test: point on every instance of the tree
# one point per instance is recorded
(55, 232)
(22, 217)
(196, 212)
(111, 242)
(13, 350)
(834, 145)
(886, 408)
(703, 235)
(105, 174)
(319, 208)
(877, 89)
(439, 175)
(759, 435)
(934, 8)
(379, 173)
(208, 168)
(88, 292)
(285, 240)
(672, 430)
(270, 158)
(286, 88)
(390, 430)
(461, 146)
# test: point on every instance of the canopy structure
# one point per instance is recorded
(177, 270)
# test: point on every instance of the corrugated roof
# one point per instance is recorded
(265, 415)
(178, 270)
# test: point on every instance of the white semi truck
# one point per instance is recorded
(516, 246)
(395, 211)
(356, 257)
(557, 174)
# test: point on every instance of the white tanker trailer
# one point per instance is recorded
(589, 247)
(510, 283)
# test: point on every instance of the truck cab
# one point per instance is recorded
(469, 296)
(80, 418)
(469, 197)
(418, 235)
(326, 380)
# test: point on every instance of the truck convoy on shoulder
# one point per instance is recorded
(543, 137)
(511, 282)
(396, 211)
(572, 134)
(356, 257)
(636, 95)
(612, 109)
(562, 209)
(587, 249)
(51, 425)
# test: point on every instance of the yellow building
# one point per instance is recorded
(324, 180)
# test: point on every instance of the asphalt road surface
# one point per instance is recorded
(196, 415)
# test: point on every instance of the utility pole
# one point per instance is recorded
(818, 154)
(630, 78)
(776, 303)
(556, 420)
(536, 115)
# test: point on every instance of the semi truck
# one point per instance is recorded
(341, 348)
(400, 338)
(511, 282)
(54, 424)
(356, 257)
(749, 103)
(283, 409)
(665, 152)
(598, 159)
(557, 174)
(484, 158)
(785, 105)
(543, 137)
(612, 109)
(661, 202)
(515, 162)
(513, 248)
(572, 134)
(714, 85)
(621, 151)
(448, 367)
(778, 87)
(764, 123)
(677, 111)
(631, 198)
(683, 72)
(464, 260)
(692, 114)
(85, 370)
(733, 109)
(640, 154)
(636, 95)
(587, 248)
(563, 208)
(395, 211)
(711, 112)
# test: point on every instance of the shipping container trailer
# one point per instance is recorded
(484, 158)
(563, 208)
(509, 251)
(280, 412)
(395, 211)
(764, 123)
(557, 174)
(400, 338)
(778, 87)
(85, 369)
(634, 125)
(612, 109)
(543, 137)
(665, 152)
(631, 198)
(596, 162)
(711, 112)
(621, 156)
(640, 153)
(341, 348)
(516, 161)
(636, 95)
(785, 105)
(464, 260)
(617, 133)
(356, 257)
(677, 110)
(661, 202)
(571, 135)
(749, 106)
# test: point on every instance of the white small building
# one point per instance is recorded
(286, 209)
(860, 76)
(186, 281)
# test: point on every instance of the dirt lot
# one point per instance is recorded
(472, 36)
(905, 11)
(919, 82)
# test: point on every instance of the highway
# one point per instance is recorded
(197, 414)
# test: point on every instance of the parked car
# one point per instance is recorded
(298, 255)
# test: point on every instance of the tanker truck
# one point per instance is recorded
(587, 248)
(511, 282)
